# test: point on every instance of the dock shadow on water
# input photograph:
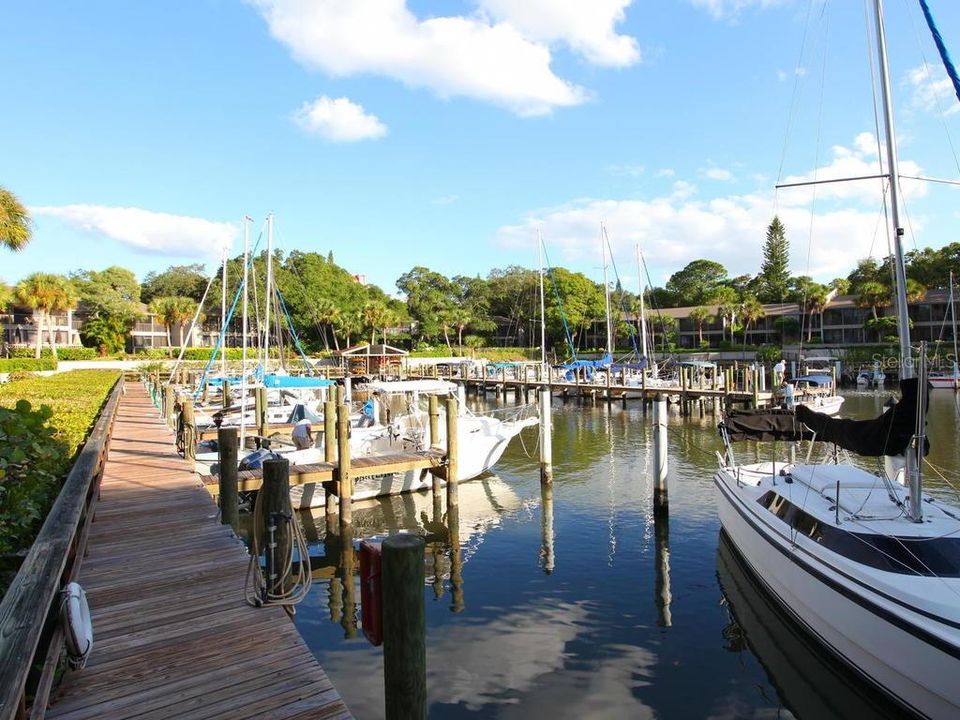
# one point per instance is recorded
(571, 601)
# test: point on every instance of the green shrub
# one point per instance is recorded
(63, 353)
(43, 422)
(28, 364)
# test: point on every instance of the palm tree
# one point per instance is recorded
(6, 296)
(374, 316)
(326, 314)
(915, 291)
(461, 317)
(173, 312)
(46, 293)
(816, 303)
(750, 311)
(725, 298)
(873, 295)
(15, 230)
(701, 316)
(349, 323)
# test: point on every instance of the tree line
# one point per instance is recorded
(328, 309)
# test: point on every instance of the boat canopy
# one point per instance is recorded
(816, 380)
(775, 424)
(697, 363)
(600, 364)
(295, 381)
(436, 387)
(888, 434)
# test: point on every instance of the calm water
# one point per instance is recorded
(579, 606)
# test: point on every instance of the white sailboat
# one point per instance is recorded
(864, 561)
(949, 380)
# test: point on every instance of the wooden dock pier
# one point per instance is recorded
(173, 635)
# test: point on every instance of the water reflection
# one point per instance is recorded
(810, 683)
(662, 594)
(547, 557)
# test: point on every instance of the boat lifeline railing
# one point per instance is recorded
(30, 632)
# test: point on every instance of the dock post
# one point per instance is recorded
(547, 559)
(169, 398)
(344, 474)
(660, 456)
(404, 628)
(206, 392)
(263, 427)
(457, 603)
(225, 393)
(347, 389)
(546, 437)
(453, 469)
(756, 389)
(329, 448)
(229, 497)
(433, 413)
(189, 425)
(275, 495)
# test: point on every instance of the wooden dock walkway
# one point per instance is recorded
(173, 636)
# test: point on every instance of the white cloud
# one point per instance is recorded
(724, 9)
(586, 27)
(682, 226)
(339, 120)
(932, 90)
(666, 172)
(147, 231)
(715, 173)
(450, 56)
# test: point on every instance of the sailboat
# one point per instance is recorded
(864, 561)
(949, 380)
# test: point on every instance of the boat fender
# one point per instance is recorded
(77, 625)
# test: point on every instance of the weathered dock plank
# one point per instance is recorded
(174, 637)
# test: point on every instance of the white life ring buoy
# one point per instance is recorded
(77, 625)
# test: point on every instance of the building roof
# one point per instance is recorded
(380, 350)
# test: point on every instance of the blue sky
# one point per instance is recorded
(409, 132)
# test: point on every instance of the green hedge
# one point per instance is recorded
(43, 422)
(29, 364)
(63, 353)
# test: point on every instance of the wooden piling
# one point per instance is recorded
(660, 456)
(329, 448)
(547, 559)
(546, 437)
(169, 400)
(229, 497)
(404, 628)
(433, 413)
(263, 427)
(453, 469)
(343, 464)
(225, 393)
(275, 496)
(189, 427)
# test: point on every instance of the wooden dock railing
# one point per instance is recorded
(31, 639)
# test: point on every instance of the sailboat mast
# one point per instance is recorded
(953, 329)
(543, 315)
(243, 356)
(900, 297)
(913, 478)
(643, 311)
(606, 285)
(223, 317)
(268, 293)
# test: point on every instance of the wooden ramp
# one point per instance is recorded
(173, 636)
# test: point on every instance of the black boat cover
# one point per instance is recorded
(775, 424)
(888, 434)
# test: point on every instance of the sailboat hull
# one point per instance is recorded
(911, 656)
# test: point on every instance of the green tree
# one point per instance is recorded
(811, 296)
(429, 297)
(697, 282)
(701, 316)
(841, 285)
(375, 317)
(47, 294)
(174, 312)
(512, 296)
(177, 281)
(873, 294)
(774, 276)
(751, 310)
(15, 230)
(111, 298)
(726, 300)
(6, 296)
